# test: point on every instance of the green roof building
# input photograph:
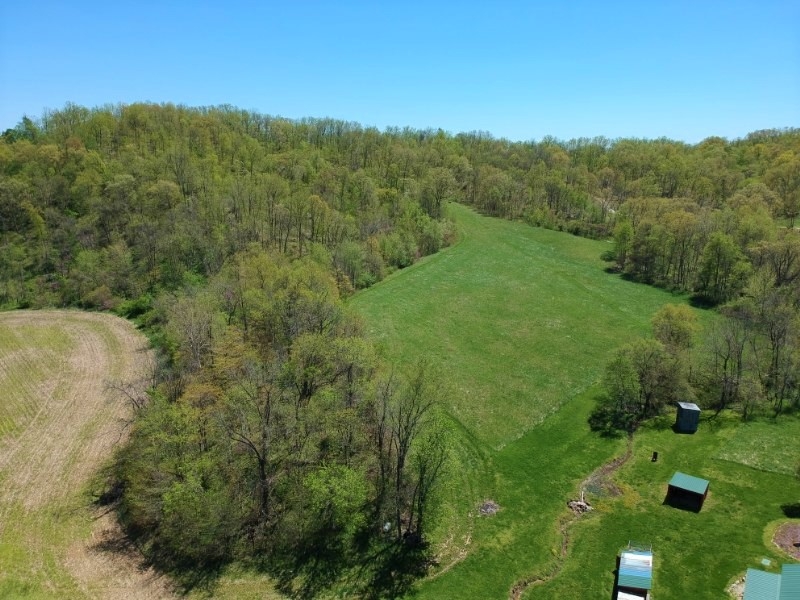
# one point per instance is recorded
(687, 417)
(689, 483)
(760, 585)
(687, 491)
(634, 573)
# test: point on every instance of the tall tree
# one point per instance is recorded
(723, 269)
(675, 326)
(784, 178)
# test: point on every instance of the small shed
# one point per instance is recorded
(687, 418)
(687, 491)
(760, 585)
(634, 574)
(790, 582)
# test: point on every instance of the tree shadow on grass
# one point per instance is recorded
(792, 511)
(608, 421)
(661, 423)
(311, 567)
(192, 576)
(702, 302)
(714, 422)
(387, 571)
(396, 569)
(185, 575)
(136, 547)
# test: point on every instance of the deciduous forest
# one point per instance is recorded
(274, 430)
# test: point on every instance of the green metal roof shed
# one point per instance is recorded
(689, 483)
(635, 570)
(760, 585)
(686, 492)
(790, 582)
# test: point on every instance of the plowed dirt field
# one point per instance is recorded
(60, 420)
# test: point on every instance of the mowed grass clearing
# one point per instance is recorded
(766, 445)
(521, 320)
(521, 323)
(696, 555)
(58, 426)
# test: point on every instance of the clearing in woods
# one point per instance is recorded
(59, 424)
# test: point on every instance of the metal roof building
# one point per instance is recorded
(687, 491)
(636, 570)
(687, 418)
(790, 582)
(634, 574)
(760, 585)
(689, 483)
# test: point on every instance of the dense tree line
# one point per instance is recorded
(273, 432)
(102, 205)
(733, 257)
(277, 434)
(99, 205)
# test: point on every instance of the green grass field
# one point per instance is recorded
(765, 446)
(696, 555)
(521, 322)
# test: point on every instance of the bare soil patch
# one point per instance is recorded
(787, 538)
(108, 565)
(600, 482)
(489, 508)
(62, 425)
(736, 589)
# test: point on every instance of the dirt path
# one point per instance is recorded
(600, 478)
(58, 426)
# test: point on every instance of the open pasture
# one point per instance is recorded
(520, 319)
(521, 322)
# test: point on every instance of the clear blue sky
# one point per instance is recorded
(520, 70)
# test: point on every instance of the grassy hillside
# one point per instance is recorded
(521, 321)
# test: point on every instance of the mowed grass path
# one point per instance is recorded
(521, 322)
